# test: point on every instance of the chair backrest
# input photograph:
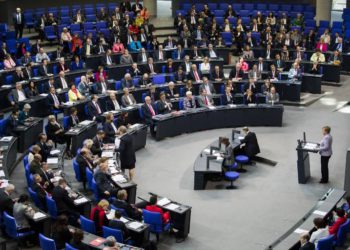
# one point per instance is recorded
(65, 122)
(325, 243)
(76, 170)
(34, 196)
(158, 79)
(51, 207)
(154, 220)
(95, 190)
(69, 247)
(25, 160)
(46, 243)
(122, 211)
(89, 177)
(118, 234)
(87, 225)
(10, 226)
(342, 233)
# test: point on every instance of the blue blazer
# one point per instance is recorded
(135, 46)
(74, 66)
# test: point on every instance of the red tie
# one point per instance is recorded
(206, 101)
(98, 108)
(196, 76)
(151, 109)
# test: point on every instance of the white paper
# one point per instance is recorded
(211, 107)
(52, 160)
(318, 212)
(111, 214)
(113, 170)
(2, 173)
(135, 225)
(164, 201)
(117, 142)
(124, 219)
(54, 152)
(6, 138)
(86, 122)
(108, 154)
(172, 206)
(310, 146)
(240, 137)
(43, 94)
(38, 215)
(80, 200)
(134, 125)
(300, 231)
(118, 178)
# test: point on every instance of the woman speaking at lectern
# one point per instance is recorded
(325, 152)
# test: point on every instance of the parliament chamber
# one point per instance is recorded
(173, 125)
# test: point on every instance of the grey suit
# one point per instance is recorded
(210, 86)
(272, 97)
(21, 212)
(188, 104)
(13, 95)
(126, 102)
(201, 101)
(252, 75)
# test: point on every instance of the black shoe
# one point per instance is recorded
(323, 182)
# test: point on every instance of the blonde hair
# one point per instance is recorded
(103, 203)
(88, 143)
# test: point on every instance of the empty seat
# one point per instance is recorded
(236, 7)
(324, 24)
(219, 13)
(249, 6)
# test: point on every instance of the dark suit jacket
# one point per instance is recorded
(50, 102)
(40, 192)
(103, 182)
(117, 224)
(18, 78)
(148, 70)
(308, 246)
(109, 131)
(11, 125)
(169, 94)
(59, 83)
(180, 77)
(130, 211)
(44, 150)
(234, 71)
(226, 100)
(252, 147)
(41, 70)
(96, 148)
(63, 202)
(13, 95)
(139, 57)
(214, 75)
(192, 77)
(147, 114)
(72, 121)
(127, 152)
(92, 111)
(161, 108)
(6, 203)
(110, 104)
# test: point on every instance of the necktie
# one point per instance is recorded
(151, 110)
(55, 99)
(64, 83)
(196, 76)
(151, 68)
(104, 87)
(206, 101)
(160, 55)
(109, 60)
(144, 58)
(97, 108)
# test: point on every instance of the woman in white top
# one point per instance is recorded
(321, 232)
(66, 38)
(205, 66)
(35, 150)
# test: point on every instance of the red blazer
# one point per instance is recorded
(98, 215)
(154, 208)
(324, 46)
(97, 76)
(118, 48)
(335, 227)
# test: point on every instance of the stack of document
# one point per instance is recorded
(52, 160)
(118, 178)
(310, 146)
(39, 215)
(124, 219)
(134, 125)
(172, 206)
(135, 225)
(108, 154)
(164, 201)
(85, 123)
(80, 200)
(111, 214)
(55, 152)
(6, 138)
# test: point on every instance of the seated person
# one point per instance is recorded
(12, 123)
(60, 232)
(135, 44)
(273, 74)
(318, 57)
(76, 242)
(145, 81)
(73, 119)
(116, 223)
(83, 160)
(340, 213)
(152, 207)
(321, 231)
(100, 73)
(217, 74)
(249, 97)
(126, 58)
(236, 73)
(128, 99)
(35, 149)
(205, 67)
(135, 71)
(209, 87)
(64, 203)
(127, 81)
(101, 86)
(40, 189)
(112, 103)
(163, 106)
(52, 100)
(31, 91)
(123, 119)
(250, 85)
(97, 143)
(118, 47)
(133, 211)
(104, 180)
(204, 100)
(149, 112)
(74, 94)
(45, 146)
(56, 133)
(171, 91)
(189, 87)
(227, 98)
(98, 215)
(266, 87)
(189, 101)
(272, 97)
(305, 244)
(17, 95)
(336, 58)
(77, 64)
(294, 72)
(35, 165)
(83, 86)
(22, 212)
(110, 128)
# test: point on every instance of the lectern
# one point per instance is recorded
(303, 162)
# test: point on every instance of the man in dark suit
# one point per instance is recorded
(50, 84)
(45, 146)
(6, 203)
(107, 59)
(159, 55)
(145, 80)
(217, 74)
(97, 145)
(35, 165)
(180, 75)
(100, 48)
(150, 68)
(169, 43)
(83, 162)
(64, 203)
(149, 112)
(135, 70)
(279, 63)
(62, 82)
(12, 123)
(250, 143)
(116, 223)
(136, 7)
(101, 86)
(305, 243)
(27, 71)
(94, 109)
(227, 98)
(127, 81)
(121, 202)
(44, 69)
(112, 103)
(127, 152)
(52, 100)
(142, 56)
(104, 180)
(273, 73)
(195, 74)
(18, 22)
(179, 53)
(18, 75)
(88, 48)
(39, 189)
(209, 87)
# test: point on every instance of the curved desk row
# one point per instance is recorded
(8, 148)
(220, 117)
